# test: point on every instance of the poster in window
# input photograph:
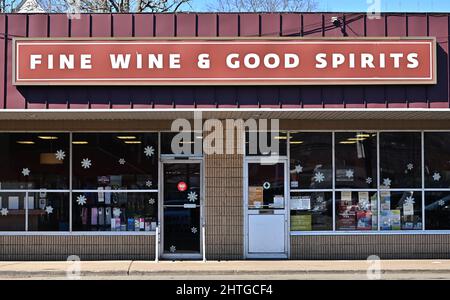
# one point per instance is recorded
(408, 209)
(364, 220)
(255, 195)
(301, 203)
(13, 202)
(301, 222)
(278, 201)
(363, 200)
(395, 219)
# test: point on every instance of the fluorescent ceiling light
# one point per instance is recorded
(45, 137)
(79, 142)
(126, 137)
(25, 142)
(132, 142)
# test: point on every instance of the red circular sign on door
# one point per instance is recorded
(182, 186)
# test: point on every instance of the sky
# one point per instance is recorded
(362, 6)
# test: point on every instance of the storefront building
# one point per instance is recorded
(87, 166)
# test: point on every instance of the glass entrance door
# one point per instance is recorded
(182, 194)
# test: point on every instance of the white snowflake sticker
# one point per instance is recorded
(319, 177)
(266, 185)
(81, 200)
(441, 202)
(48, 210)
(192, 196)
(409, 166)
(387, 182)
(409, 200)
(149, 151)
(86, 163)
(122, 161)
(194, 230)
(436, 176)
(151, 201)
(369, 180)
(60, 155)
(116, 212)
(4, 211)
(172, 249)
(148, 183)
(26, 172)
(319, 199)
(349, 173)
(298, 168)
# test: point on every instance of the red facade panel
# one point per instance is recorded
(207, 25)
(291, 24)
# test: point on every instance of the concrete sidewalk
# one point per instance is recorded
(164, 268)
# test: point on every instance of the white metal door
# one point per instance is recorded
(265, 193)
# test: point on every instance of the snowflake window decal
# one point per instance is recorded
(4, 211)
(441, 202)
(26, 172)
(151, 201)
(409, 166)
(60, 155)
(48, 210)
(409, 200)
(148, 183)
(369, 180)
(436, 176)
(387, 182)
(122, 161)
(172, 249)
(319, 177)
(298, 168)
(81, 200)
(192, 196)
(194, 230)
(149, 151)
(116, 212)
(349, 173)
(86, 163)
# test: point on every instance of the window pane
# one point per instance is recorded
(48, 211)
(12, 211)
(356, 210)
(114, 211)
(437, 159)
(266, 143)
(115, 160)
(356, 159)
(34, 160)
(400, 160)
(266, 186)
(400, 210)
(311, 162)
(190, 143)
(437, 210)
(311, 211)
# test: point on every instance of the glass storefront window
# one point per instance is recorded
(12, 211)
(311, 160)
(48, 211)
(400, 160)
(311, 211)
(437, 159)
(34, 161)
(189, 143)
(115, 161)
(356, 211)
(401, 210)
(266, 143)
(437, 210)
(356, 160)
(120, 211)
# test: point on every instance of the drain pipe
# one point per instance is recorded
(204, 241)
(157, 244)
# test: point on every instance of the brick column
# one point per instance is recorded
(224, 204)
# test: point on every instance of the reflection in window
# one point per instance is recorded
(115, 161)
(48, 211)
(311, 211)
(105, 211)
(400, 160)
(356, 159)
(437, 159)
(400, 210)
(265, 185)
(356, 210)
(311, 160)
(12, 211)
(437, 210)
(34, 160)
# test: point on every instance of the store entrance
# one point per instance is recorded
(181, 209)
(265, 209)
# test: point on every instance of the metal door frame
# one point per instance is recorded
(181, 256)
(248, 212)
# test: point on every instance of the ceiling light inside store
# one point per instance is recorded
(25, 142)
(296, 142)
(44, 137)
(126, 137)
(363, 135)
(356, 139)
(132, 142)
(280, 137)
(80, 142)
(347, 142)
